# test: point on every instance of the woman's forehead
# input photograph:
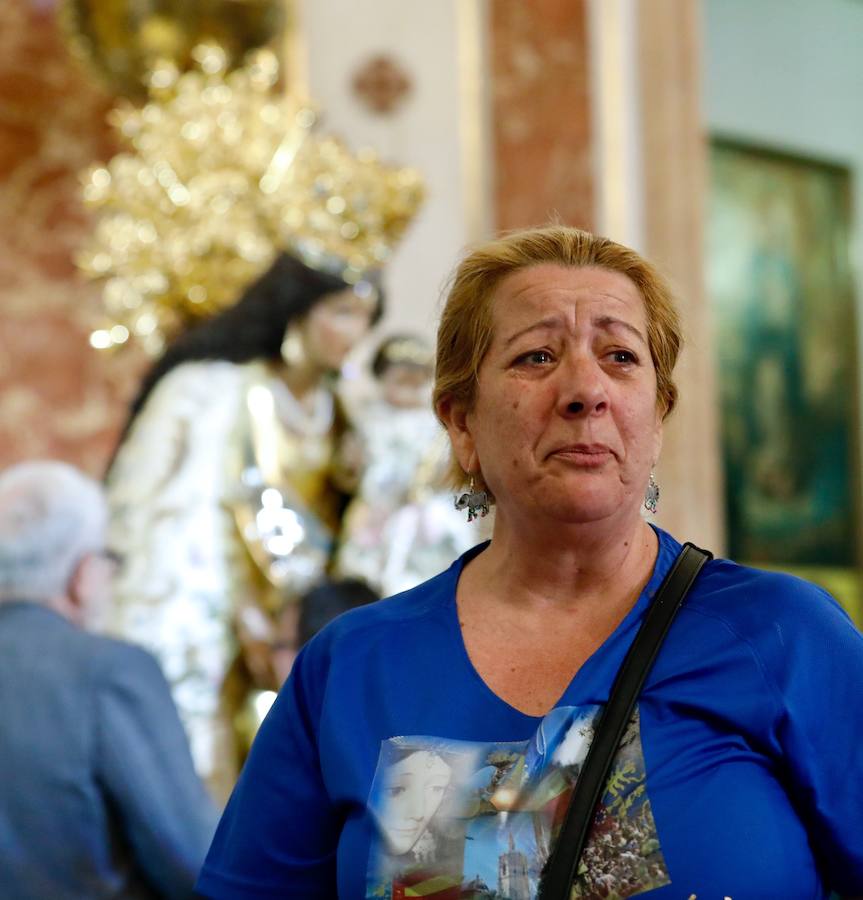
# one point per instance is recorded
(420, 759)
(550, 290)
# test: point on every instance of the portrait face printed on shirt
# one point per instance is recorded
(452, 815)
(414, 789)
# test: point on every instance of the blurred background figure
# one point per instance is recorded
(299, 623)
(401, 527)
(223, 505)
(328, 600)
(260, 266)
(99, 796)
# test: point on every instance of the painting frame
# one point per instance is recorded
(782, 298)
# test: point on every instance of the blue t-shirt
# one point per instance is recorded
(387, 768)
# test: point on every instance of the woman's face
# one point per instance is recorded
(334, 325)
(413, 792)
(565, 421)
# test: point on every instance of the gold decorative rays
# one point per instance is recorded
(222, 174)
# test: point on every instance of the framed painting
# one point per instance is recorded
(781, 289)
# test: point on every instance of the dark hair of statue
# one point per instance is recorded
(253, 328)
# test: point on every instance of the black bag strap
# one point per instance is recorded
(561, 868)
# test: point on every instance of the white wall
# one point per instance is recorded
(439, 130)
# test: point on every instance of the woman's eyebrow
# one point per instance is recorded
(549, 322)
(608, 322)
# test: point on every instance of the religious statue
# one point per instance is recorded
(401, 527)
(224, 495)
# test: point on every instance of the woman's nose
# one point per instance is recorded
(582, 389)
(415, 806)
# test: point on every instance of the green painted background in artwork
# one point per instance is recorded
(781, 291)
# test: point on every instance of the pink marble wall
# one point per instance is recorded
(58, 397)
(541, 112)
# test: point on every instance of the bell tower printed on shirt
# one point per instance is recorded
(512, 874)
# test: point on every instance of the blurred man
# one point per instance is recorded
(98, 796)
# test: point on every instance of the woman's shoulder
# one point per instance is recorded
(771, 611)
(750, 599)
(734, 587)
(769, 628)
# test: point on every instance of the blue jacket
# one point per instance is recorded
(98, 796)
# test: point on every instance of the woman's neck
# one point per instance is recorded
(577, 566)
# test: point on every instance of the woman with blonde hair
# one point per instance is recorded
(736, 774)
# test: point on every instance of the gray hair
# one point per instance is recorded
(51, 515)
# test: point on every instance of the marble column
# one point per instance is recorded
(540, 106)
(650, 183)
(674, 188)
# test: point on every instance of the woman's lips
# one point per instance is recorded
(586, 455)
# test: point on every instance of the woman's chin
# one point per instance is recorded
(583, 507)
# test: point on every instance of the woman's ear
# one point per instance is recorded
(454, 415)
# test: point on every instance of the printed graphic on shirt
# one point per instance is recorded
(463, 820)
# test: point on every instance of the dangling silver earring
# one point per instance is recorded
(651, 495)
(474, 501)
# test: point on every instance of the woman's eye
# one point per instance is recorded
(624, 356)
(535, 358)
(395, 790)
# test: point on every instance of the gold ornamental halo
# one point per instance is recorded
(222, 174)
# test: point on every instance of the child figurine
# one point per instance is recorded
(401, 527)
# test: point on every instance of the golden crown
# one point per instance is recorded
(223, 174)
